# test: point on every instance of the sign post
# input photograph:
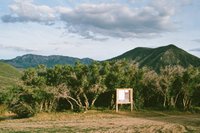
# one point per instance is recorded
(124, 96)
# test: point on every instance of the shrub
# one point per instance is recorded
(196, 109)
(22, 109)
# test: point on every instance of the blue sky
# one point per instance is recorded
(98, 29)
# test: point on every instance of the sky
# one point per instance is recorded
(97, 29)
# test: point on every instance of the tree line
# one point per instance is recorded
(79, 87)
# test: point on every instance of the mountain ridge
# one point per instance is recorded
(32, 60)
(159, 57)
(154, 58)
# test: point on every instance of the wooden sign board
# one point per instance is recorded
(124, 96)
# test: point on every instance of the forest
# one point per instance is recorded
(83, 87)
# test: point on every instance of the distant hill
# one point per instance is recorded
(8, 75)
(154, 58)
(160, 57)
(31, 60)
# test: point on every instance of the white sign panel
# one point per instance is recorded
(121, 95)
(124, 96)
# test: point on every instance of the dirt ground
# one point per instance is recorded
(106, 121)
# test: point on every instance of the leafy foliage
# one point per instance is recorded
(20, 101)
(78, 87)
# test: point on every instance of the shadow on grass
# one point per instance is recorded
(9, 117)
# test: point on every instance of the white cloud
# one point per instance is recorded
(23, 11)
(16, 48)
(105, 19)
(117, 20)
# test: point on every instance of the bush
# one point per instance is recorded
(78, 109)
(23, 110)
(19, 100)
(196, 109)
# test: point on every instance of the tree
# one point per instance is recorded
(167, 77)
(29, 76)
(190, 83)
(45, 98)
(81, 85)
(20, 101)
(96, 80)
(150, 89)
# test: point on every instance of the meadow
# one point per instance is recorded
(104, 121)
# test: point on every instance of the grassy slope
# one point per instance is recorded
(160, 57)
(8, 75)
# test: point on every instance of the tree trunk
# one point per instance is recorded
(172, 102)
(186, 102)
(46, 105)
(51, 104)
(164, 102)
(41, 106)
(94, 100)
(86, 101)
(176, 98)
(80, 105)
(79, 100)
(71, 105)
(112, 104)
(189, 103)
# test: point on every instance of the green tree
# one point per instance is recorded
(20, 101)
(167, 77)
(190, 84)
(96, 80)
(150, 87)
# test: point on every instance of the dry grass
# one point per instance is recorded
(109, 121)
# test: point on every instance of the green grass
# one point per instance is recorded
(7, 70)
(103, 121)
(8, 75)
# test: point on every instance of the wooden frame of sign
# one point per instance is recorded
(124, 96)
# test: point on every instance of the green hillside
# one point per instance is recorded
(155, 58)
(160, 57)
(8, 75)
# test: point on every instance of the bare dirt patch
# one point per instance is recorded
(97, 121)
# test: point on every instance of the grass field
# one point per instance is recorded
(104, 121)
(8, 75)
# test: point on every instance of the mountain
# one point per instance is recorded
(151, 57)
(160, 57)
(31, 60)
(8, 75)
